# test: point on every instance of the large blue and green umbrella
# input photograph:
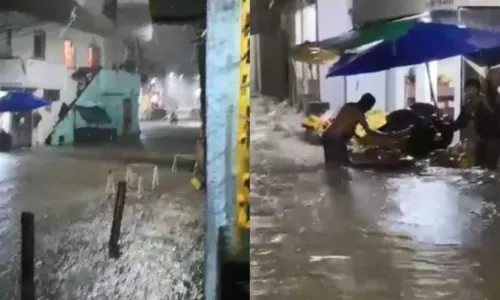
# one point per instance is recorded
(423, 42)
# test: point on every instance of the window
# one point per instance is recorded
(52, 95)
(69, 54)
(39, 44)
(94, 56)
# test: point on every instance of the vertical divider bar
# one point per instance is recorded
(243, 150)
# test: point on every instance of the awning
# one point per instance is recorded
(177, 11)
(93, 115)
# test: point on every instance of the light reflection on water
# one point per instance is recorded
(426, 228)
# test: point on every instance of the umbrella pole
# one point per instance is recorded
(433, 93)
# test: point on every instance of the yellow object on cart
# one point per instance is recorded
(316, 124)
(375, 120)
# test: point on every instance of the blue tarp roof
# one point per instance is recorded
(424, 42)
(21, 101)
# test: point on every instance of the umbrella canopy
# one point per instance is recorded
(486, 57)
(378, 32)
(20, 101)
(423, 42)
(329, 49)
(308, 53)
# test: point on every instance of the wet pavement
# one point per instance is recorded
(343, 233)
(162, 232)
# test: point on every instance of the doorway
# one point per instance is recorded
(21, 123)
(127, 117)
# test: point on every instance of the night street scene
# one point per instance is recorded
(102, 151)
(374, 151)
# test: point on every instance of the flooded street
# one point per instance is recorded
(162, 232)
(343, 233)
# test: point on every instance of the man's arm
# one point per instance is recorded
(369, 131)
(463, 118)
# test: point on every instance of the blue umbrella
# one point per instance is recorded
(422, 43)
(20, 101)
(487, 57)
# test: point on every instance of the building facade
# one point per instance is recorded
(41, 57)
(304, 20)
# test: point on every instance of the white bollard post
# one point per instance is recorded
(156, 178)
(140, 187)
(128, 175)
(110, 184)
(174, 163)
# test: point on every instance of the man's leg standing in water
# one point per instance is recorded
(335, 150)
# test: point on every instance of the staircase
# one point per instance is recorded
(62, 131)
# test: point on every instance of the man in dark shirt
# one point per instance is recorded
(484, 110)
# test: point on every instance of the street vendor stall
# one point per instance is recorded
(415, 42)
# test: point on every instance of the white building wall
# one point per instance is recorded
(23, 44)
(333, 20)
(51, 73)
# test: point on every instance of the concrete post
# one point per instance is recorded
(222, 76)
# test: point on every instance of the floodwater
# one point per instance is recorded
(343, 233)
(162, 231)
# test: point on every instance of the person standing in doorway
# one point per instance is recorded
(483, 110)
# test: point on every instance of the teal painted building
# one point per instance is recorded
(105, 108)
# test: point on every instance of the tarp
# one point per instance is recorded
(20, 101)
(93, 115)
(424, 42)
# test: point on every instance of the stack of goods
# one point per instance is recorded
(375, 150)
(460, 156)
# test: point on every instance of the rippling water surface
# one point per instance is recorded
(343, 233)
(162, 233)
